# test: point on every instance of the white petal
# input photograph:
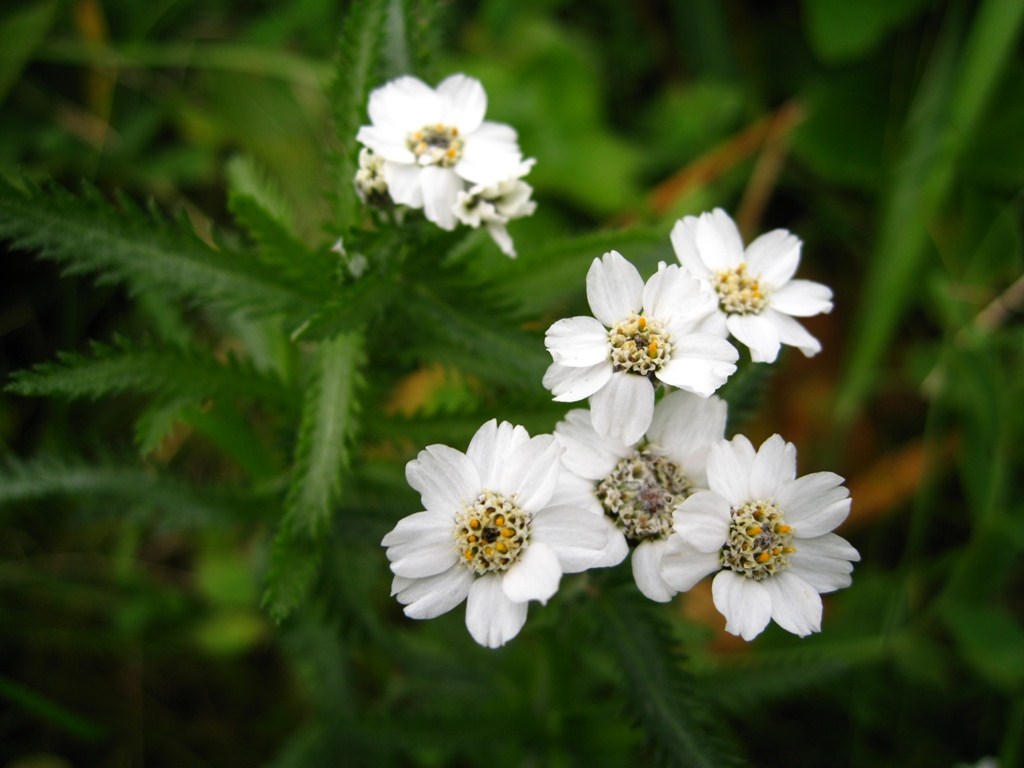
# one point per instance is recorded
(441, 187)
(683, 566)
(465, 102)
(773, 257)
(405, 104)
(531, 472)
(578, 342)
(674, 297)
(814, 504)
(718, 241)
(446, 479)
(684, 243)
(491, 618)
(824, 562)
(796, 605)
(413, 528)
(700, 363)
(828, 545)
(622, 410)
(568, 385)
(614, 288)
(390, 145)
(430, 597)
(534, 576)
(579, 539)
(499, 234)
(758, 333)
(489, 155)
(685, 426)
(575, 491)
(428, 556)
(646, 562)
(745, 603)
(702, 521)
(404, 184)
(729, 465)
(802, 298)
(774, 465)
(587, 453)
(792, 333)
(490, 448)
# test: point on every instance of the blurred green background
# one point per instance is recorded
(885, 133)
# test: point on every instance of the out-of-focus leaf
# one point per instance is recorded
(21, 31)
(840, 30)
(991, 640)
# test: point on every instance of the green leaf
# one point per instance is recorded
(294, 565)
(358, 49)
(21, 31)
(46, 709)
(991, 641)
(86, 234)
(840, 30)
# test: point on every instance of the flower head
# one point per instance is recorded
(436, 145)
(767, 533)
(640, 334)
(496, 205)
(639, 485)
(757, 297)
(491, 532)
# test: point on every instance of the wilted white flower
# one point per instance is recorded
(757, 297)
(767, 533)
(639, 333)
(639, 485)
(435, 143)
(496, 205)
(490, 533)
(369, 181)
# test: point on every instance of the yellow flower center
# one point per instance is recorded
(436, 144)
(759, 542)
(491, 533)
(639, 345)
(641, 494)
(739, 293)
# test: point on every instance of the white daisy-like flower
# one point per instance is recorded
(369, 180)
(490, 533)
(767, 533)
(494, 206)
(435, 142)
(640, 334)
(757, 295)
(639, 485)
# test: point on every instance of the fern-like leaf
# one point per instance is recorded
(87, 235)
(358, 50)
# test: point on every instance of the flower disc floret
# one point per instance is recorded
(491, 533)
(641, 494)
(639, 345)
(759, 542)
(436, 144)
(740, 293)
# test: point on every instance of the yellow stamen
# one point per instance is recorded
(783, 529)
(474, 524)
(754, 530)
(508, 533)
(502, 547)
(763, 558)
(499, 520)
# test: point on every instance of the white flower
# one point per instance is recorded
(758, 298)
(369, 181)
(435, 141)
(490, 533)
(639, 485)
(767, 533)
(641, 333)
(496, 205)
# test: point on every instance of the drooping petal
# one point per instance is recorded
(530, 473)
(796, 605)
(568, 385)
(773, 257)
(814, 504)
(702, 521)
(745, 603)
(774, 465)
(729, 465)
(430, 597)
(700, 363)
(404, 184)
(646, 562)
(491, 618)
(792, 333)
(587, 453)
(684, 427)
(577, 342)
(441, 188)
(677, 299)
(802, 298)
(579, 539)
(445, 478)
(682, 566)
(824, 562)
(684, 243)
(622, 409)
(465, 102)
(534, 576)
(758, 333)
(490, 448)
(404, 104)
(499, 234)
(718, 241)
(614, 289)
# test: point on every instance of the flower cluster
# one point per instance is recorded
(647, 468)
(431, 149)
